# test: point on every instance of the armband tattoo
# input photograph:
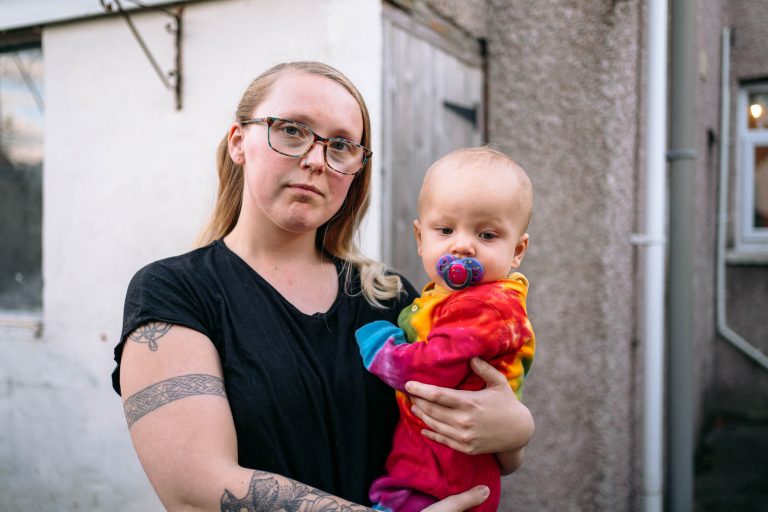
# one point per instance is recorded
(166, 391)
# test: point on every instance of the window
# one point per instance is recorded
(752, 221)
(21, 159)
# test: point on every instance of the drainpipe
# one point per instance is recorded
(725, 126)
(682, 156)
(655, 246)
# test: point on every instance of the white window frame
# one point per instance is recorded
(748, 239)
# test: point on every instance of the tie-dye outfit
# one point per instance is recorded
(438, 335)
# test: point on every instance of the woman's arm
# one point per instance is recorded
(182, 428)
(491, 420)
(511, 460)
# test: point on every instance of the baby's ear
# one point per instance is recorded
(417, 235)
(520, 248)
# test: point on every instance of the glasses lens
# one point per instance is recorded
(293, 139)
(344, 156)
(289, 138)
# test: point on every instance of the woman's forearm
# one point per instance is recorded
(182, 428)
(183, 433)
(511, 460)
(271, 492)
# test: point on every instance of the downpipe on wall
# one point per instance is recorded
(682, 157)
(654, 242)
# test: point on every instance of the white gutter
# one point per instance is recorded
(725, 108)
(655, 243)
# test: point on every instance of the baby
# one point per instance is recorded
(474, 208)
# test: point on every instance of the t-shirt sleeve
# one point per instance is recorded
(159, 292)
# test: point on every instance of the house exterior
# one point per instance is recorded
(128, 178)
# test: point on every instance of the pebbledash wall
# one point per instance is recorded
(564, 101)
(566, 89)
(127, 180)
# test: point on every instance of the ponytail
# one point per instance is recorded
(229, 198)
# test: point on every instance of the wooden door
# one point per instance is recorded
(433, 104)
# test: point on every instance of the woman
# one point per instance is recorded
(242, 383)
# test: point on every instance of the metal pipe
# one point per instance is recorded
(722, 214)
(655, 246)
(682, 141)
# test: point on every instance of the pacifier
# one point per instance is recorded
(459, 273)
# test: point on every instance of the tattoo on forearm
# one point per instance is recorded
(166, 391)
(149, 333)
(266, 494)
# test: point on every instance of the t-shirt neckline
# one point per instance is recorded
(318, 315)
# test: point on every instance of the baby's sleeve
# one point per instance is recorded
(463, 329)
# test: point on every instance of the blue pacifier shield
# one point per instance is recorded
(459, 273)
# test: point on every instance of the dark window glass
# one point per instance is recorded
(21, 164)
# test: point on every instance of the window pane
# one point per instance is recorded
(757, 115)
(21, 160)
(761, 186)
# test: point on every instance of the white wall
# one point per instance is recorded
(127, 180)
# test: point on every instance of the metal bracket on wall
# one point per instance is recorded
(172, 79)
(468, 113)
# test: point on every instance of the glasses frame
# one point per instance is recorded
(367, 153)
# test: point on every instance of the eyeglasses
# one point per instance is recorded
(293, 139)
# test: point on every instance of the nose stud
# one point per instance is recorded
(459, 273)
(312, 170)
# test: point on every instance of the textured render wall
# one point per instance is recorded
(564, 103)
(127, 180)
(470, 15)
(724, 380)
(739, 384)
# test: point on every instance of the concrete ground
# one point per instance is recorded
(732, 466)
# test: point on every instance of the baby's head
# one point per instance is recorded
(474, 203)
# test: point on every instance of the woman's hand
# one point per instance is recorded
(491, 420)
(461, 502)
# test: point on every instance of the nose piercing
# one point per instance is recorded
(312, 170)
(459, 273)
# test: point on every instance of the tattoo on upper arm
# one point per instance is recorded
(166, 391)
(265, 493)
(149, 333)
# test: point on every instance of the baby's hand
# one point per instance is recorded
(491, 420)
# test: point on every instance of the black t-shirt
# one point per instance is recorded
(303, 404)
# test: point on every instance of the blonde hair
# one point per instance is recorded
(336, 236)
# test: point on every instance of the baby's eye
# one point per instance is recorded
(487, 235)
(445, 231)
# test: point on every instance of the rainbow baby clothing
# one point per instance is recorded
(438, 335)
